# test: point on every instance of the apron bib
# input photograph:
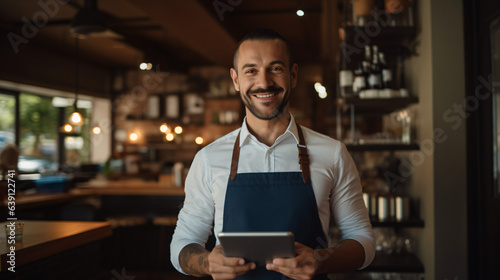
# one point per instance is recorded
(277, 201)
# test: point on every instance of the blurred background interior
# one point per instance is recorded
(408, 86)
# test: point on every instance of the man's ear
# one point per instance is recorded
(293, 75)
(234, 77)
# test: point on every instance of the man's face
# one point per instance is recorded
(264, 77)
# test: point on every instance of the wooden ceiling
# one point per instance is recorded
(177, 34)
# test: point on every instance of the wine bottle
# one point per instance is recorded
(359, 81)
(375, 76)
(386, 72)
(368, 54)
(346, 83)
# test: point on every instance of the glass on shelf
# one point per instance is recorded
(388, 242)
(381, 138)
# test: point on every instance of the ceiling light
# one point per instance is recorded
(67, 128)
(76, 118)
(96, 130)
(178, 129)
(145, 66)
(169, 137)
(164, 128)
(133, 137)
(321, 90)
(300, 13)
(317, 86)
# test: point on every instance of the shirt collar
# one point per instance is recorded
(290, 130)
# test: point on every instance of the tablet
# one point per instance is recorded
(258, 247)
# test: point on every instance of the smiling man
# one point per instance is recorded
(252, 180)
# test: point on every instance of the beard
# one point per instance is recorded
(261, 115)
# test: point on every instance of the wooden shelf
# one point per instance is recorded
(378, 105)
(382, 147)
(388, 36)
(415, 223)
(408, 263)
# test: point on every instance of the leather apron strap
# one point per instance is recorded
(303, 156)
(236, 157)
(302, 149)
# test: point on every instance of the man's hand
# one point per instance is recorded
(221, 267)
(303, 267)
(197, 261)
(348, 256)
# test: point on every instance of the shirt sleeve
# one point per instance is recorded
(195, 220)
(348, 207)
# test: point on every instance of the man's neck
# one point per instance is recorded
(267, 131)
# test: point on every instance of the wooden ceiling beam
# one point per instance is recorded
(189, 23)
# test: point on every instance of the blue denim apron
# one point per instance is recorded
(280, 201)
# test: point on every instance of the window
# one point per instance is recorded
(38, 127)
(7, 119)
(43, 146)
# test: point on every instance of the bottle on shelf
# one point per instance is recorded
(384, 209)
(386, 72)
(368, 55)
(346, 83)
(359, 81)
(366, 68)
(375, 76)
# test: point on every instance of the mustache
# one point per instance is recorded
(264, 90)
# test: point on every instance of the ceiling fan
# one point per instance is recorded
(90, 21)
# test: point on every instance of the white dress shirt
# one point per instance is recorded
(334, 179)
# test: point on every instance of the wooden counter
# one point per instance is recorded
(128, 187)
(36, 200)
(92, 188)
(46, 238)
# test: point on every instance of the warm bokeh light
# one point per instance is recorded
(96, 130)
(133, 136)
(199, 140)
(321, 90)
(178, 129)
(145, 66)
(317, 86)
(169, 137)
(76, 118)
(68, 128)
(164, 128)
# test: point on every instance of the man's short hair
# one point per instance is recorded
(262, 34)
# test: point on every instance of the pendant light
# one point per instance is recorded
(76, 118)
